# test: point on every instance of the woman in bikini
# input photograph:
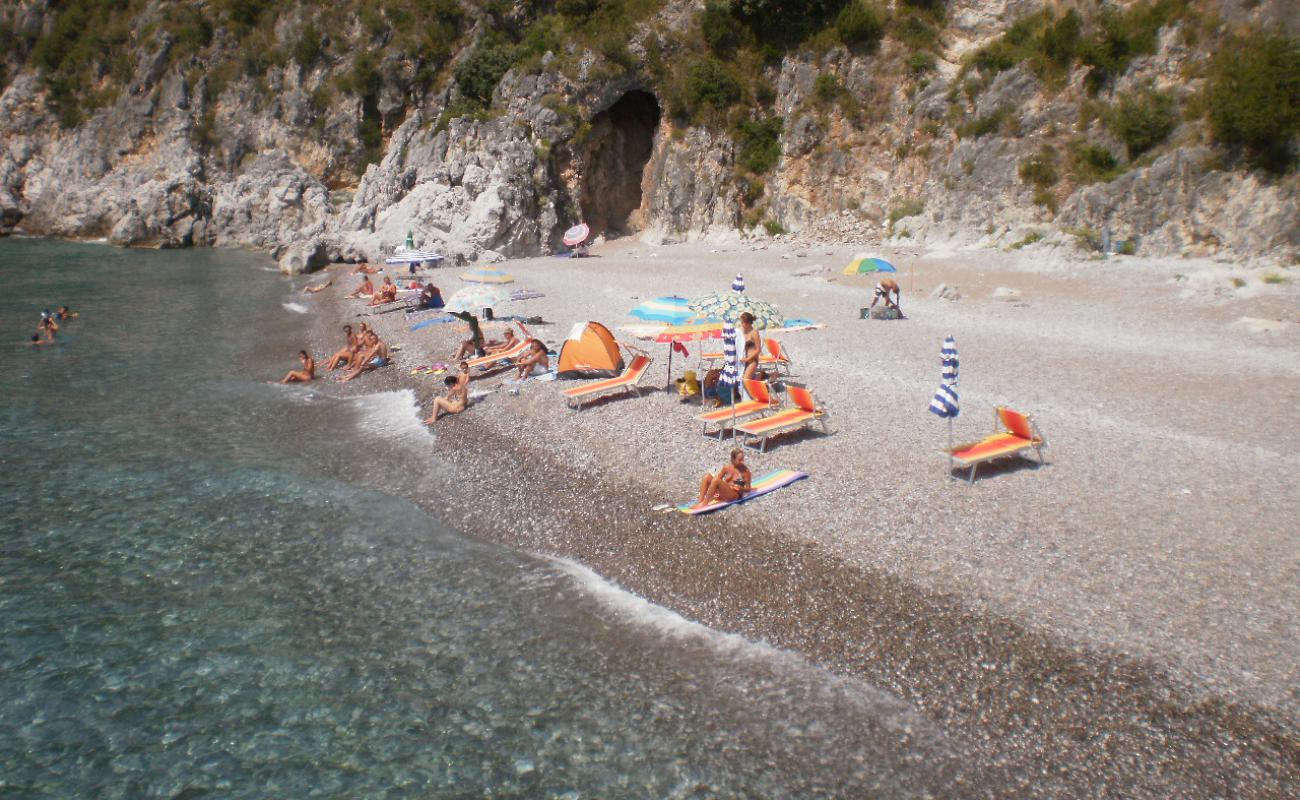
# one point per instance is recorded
(304, 375)
(731, 482)
(534, 361)
(344, 355)
(456, 400)
(753, 345)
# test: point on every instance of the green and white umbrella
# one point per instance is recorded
(476, 297)
(728, 306)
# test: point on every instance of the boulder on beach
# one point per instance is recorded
(945, 292)
(1006, 295)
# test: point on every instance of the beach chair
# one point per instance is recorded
(775, 357)
(1013, 434)
(498, 359)
(627, 382)
(803, 412)
(722, 417)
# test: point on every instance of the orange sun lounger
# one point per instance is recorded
(497, 358)
(775, 357)
(628, 381)
(760, 404)
(804, 412)
(1013, 434)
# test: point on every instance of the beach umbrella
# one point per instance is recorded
(487, 275)
(577, 234)
(730, 369)
(945, 403)
(694, 332)
(728, 306)
(413, 257)
(473, 298)
(738, 285)
(865, 262)
(672, 310)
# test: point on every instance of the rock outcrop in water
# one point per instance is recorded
(333, 143)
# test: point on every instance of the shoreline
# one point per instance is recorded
(1044, 701)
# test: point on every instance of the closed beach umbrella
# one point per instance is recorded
(865, 262)
(730, 370)
(487, 275)
(738, 285)
(473, 298)
(945, 403)
(577, 234)
(728, 306)
(672, 310)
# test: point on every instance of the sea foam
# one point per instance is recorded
(390, 415)
(297, 308)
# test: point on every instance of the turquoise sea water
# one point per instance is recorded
(202, 592)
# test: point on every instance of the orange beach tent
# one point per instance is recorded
(589, 352)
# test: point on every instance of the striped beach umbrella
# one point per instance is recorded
(487, 275)
(738, 285)
(945, 403)
(865, 262)
(474, 298)
(728, 306)
(731, 368)
(577, 234)
(672, 310)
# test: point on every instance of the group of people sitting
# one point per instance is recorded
(362, 351)
(49, 325)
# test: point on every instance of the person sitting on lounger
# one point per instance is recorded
(344, 355)
(731, 482)
(455, 401)
(304, 375)
(374, 355)
(505, 343)
(888, 291)
(534, 361)
(387, 293)
(366, 289)
(320, 287)
(474, 344)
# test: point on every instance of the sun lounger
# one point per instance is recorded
(764, 485)
(627, 382)
(804, 412)
(724, 416)
(1013, 434)
(496, 359)
(776, 357)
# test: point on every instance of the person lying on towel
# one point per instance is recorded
(731, 482)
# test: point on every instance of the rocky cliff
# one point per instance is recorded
(327, 132)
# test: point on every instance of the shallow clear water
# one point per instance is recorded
(203, 593)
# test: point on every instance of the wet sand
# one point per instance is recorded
(1121, 621)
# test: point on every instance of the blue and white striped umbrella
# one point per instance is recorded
(738, 285)
(945, 403)
(672, 310)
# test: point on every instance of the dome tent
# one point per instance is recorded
(589, 352)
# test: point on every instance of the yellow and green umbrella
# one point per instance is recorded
(865, 262)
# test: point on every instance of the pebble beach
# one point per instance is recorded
(1121, 620)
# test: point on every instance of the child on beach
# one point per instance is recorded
(730, 483)
(304, 375)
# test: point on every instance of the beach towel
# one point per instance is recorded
(764, 485)
(434, 321)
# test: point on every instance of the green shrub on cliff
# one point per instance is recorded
(1142, 119)
(711, 83)
(478, 73)
(1254, 99)
(760, 143)
(861, 23)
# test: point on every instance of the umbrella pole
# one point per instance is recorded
(669, 383)
(949, 446)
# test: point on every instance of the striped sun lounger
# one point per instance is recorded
(1013, 434)
(724, 416)
(497, 358)
(628, 381)
(764, 485)
(804, 412)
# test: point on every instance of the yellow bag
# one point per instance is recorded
(688, 385)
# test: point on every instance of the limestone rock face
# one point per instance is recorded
(273, 158)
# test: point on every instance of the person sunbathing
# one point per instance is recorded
(366, 289)
(365, 269)
(387, 293)
(731, 483)
(320, 287)
(535, 361)
(888, 291)
(430, 297)
(344, 355)
(455, 402)
(304, 375)
(474, 344)
(373, 356)
(508, 341)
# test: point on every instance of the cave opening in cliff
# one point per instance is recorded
(616, 152)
